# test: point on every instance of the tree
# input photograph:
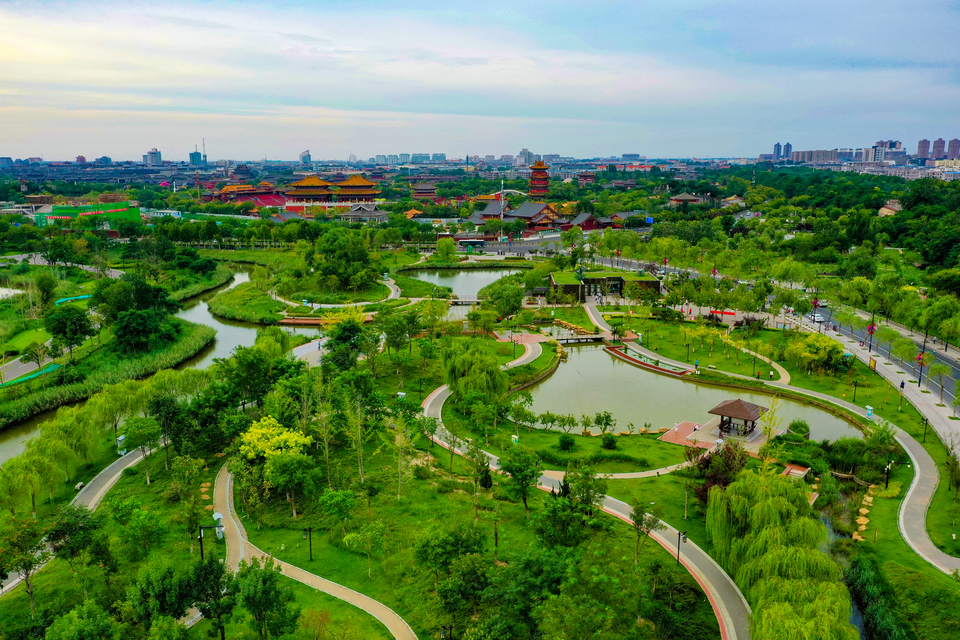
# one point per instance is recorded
(162, 589)
(446, 249)
(292, 473)
(904, 349)
(267, 438)
(465, 586)
(643, 524)
(370, 539)
(87, 621)
(586, 489)
(143, 434)
(74, 532)
(523, 467)
(35, 352)
(339, 506)
(939, 371)
(23, 551)
(265, 599)
(437, 548)
(69, 326)
(215, 592)
(133, 330)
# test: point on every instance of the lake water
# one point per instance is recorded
(6, 292)
(592, 380)
(230, 335)
(463, 282)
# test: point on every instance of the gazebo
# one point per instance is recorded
(738, 415)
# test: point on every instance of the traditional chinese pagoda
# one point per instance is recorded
(539, 180)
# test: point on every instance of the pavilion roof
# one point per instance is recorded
(356, 181)
(539, 164)
(685, 197)
(739, 409)
(311, 181)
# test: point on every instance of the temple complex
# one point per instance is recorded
(310, 189)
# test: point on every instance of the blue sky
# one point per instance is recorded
(660, 78)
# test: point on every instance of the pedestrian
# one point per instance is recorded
(771, 374)
(758, 375)
(902, 385)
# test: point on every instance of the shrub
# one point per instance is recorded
(609, 441)
(800, 427)
(567, 442)
(422, 472)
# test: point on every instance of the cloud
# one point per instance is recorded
(686, 77)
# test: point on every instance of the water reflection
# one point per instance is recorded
(592, 380)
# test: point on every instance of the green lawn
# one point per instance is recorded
(570, 277)
(247, 303)
(574, 315)
(22, 339)
(416, 288)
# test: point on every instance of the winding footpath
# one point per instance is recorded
(89, 496)
(239, 548)
(728, 603)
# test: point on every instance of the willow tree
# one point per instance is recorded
(765, 534)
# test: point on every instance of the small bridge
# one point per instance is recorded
(584, 337)
(465, 300)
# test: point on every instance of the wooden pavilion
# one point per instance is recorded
(738, 416)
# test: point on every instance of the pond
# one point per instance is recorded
(230, 335)
(592, 380)
(463, 282)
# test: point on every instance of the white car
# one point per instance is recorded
(816, 317)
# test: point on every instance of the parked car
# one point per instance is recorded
(816, 317)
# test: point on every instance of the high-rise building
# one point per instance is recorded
(777, 151)
(393, 159)
(953, 149)
(420, 157)
(152, 158)
(6, 162)
(439, 157)
(525, 157)
(938, 149)
(628, 157)
(404, 158)
(305, 157)
(923, 148)
(352, 158)
(381, 159)
(787, 150)
(196, 158)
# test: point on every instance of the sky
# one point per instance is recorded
(671, 78)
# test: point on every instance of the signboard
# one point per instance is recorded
(649, 220)
(873, 363)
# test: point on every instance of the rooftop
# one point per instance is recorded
(739, 409)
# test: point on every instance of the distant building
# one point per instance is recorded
(196, 159)
(890, 208)
(953, 149)
(685, 198)
(787, 150)
(425, 191)
(631, 157)
(381, 159)
(777, 151)
(420, 157)
(923, 148)
(586, 178)
(6, 162)
(153, 158)
(439, 157)
(938, 149)
(539, 179)
(404, 158)
(81, 160)
(364, 212)
(305, 157)
(393, 159)
(100, 160)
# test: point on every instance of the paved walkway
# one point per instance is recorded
(729, 605)
(90, 496)
(240, 548)
(394, 294)
(34, 258)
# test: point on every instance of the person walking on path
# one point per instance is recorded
(771, 374)
(902, 385)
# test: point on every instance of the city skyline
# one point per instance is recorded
(698, 80)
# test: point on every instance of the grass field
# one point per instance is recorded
(416, 288)
(247, 303)
(22, 339)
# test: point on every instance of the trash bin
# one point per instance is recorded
(869, 411)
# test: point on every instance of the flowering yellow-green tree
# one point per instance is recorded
(267, 438)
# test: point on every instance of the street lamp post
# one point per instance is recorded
(681, 537)
(924, 428)
(219, 529)
(854, 392)
(446, 631)
(308, 535)
(887, 474)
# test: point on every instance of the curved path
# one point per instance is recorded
(729, 605)
(394, 294)
(91, 495)
(239, 548)
(913, 508)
